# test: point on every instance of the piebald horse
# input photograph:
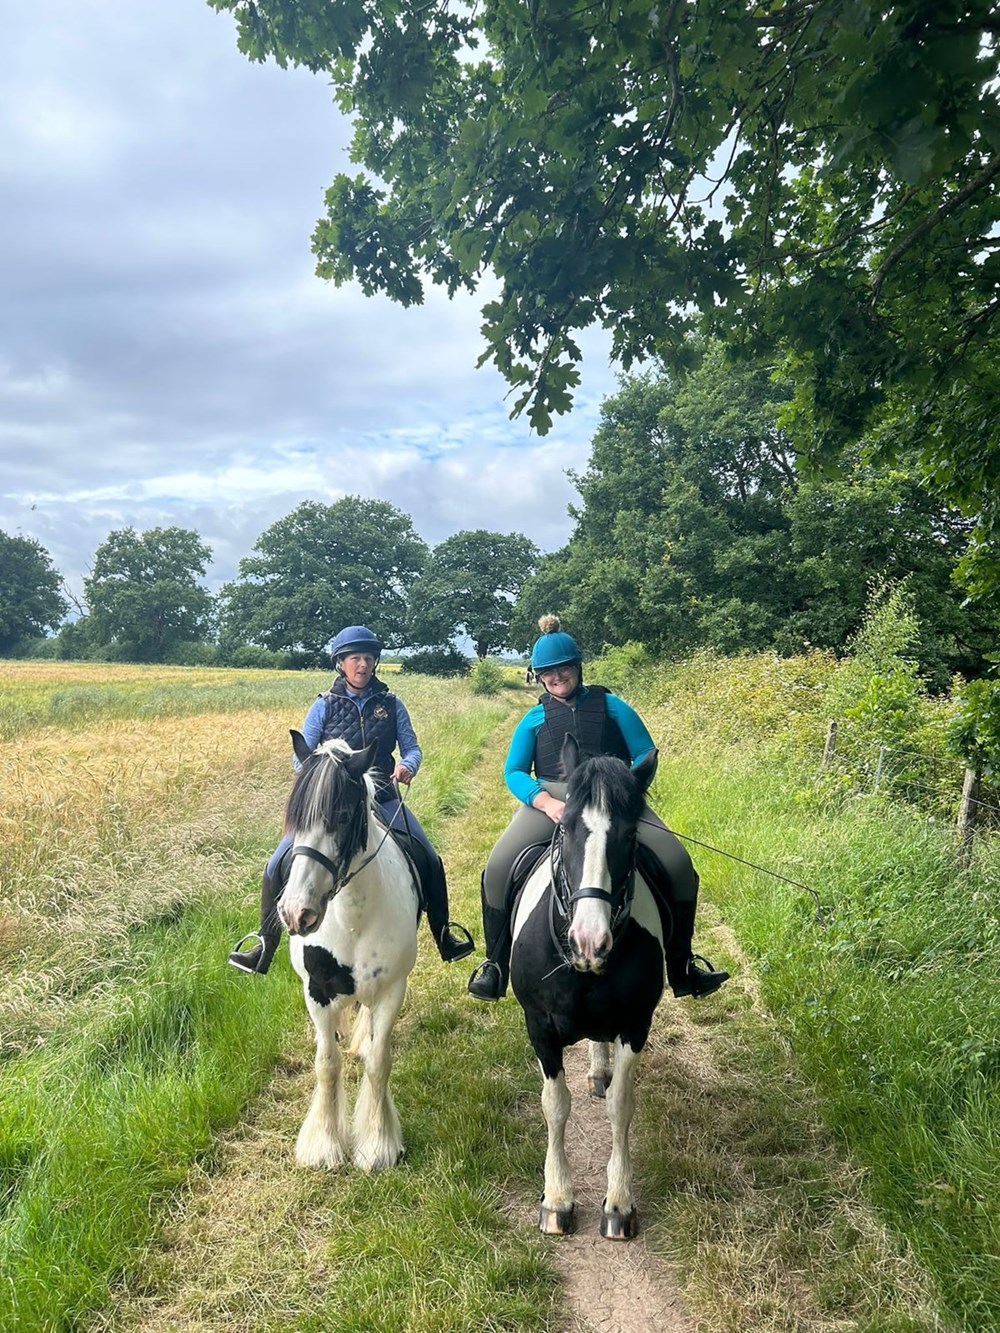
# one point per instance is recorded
(587, 961)
(351, 909)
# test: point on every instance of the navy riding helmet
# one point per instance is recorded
(356, 639)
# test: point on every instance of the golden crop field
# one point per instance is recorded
(127, 792)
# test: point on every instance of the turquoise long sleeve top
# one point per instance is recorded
(517, 770)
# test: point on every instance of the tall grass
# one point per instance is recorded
(891, 1000)
(128, 1044)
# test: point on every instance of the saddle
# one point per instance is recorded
(521, 871)
(648, 866)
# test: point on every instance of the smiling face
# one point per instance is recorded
(562, 682)
(358, 669)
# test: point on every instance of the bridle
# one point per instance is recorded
(563, 899)
(341, 881)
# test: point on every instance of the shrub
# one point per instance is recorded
(616, 668)
(974, 733)
(487, 677)
(437, 662)
(251, 655)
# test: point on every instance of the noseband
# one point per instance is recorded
(562, 899)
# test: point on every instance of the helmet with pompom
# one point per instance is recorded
(555, 648)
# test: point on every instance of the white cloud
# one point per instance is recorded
(167, 355)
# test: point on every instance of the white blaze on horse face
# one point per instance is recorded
(590, 933)
(303, 898)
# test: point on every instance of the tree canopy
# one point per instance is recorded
(31, 600)
(808, 179)
(322, 567)
(470, 585)
(143, 592)
(695, 529)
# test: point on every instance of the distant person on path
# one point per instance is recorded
(603, 724)
(359, 709)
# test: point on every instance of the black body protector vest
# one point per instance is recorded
(586, 718)
(375, 721)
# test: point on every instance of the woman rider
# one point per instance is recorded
(602, 724)
(360, 709)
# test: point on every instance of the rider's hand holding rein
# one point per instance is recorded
(402, 774)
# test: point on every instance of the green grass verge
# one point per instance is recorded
(891, 1006)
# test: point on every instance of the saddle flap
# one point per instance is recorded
(522, 869)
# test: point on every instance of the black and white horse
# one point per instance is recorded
(351, 908)
(587, 961)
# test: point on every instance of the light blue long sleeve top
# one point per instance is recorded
(410, 753)
(517, 770)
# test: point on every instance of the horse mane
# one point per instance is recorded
(607, 783)
(323, 786)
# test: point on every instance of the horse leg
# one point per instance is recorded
(599, 1074)
(618, 1215)
(378, 1138)
(557, 1213)
(361, 1031)
(323, 1139)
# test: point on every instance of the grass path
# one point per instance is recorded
(752, 1220)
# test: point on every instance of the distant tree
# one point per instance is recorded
(144, 595)
(469, 587)
(319, 568)
(30, 598)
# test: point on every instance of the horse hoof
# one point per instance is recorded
(619, 1226)
(557, 1221)
(598, 1086)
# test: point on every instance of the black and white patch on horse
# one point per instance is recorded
(351, 907)
(587, 961)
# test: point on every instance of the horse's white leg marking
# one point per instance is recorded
(361, 1032)
(558, 1196)
(378, 1138)
(599, 1074)
(590, 934)
(323, 1139)
(621, 1107)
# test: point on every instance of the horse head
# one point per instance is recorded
(327, 816)
(604, 801)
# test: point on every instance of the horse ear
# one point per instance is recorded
(570, 755)
(646, 771)
(300, 745)
(358, 762)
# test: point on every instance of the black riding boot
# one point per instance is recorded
(258, 959)
(489, 980)
(450, 946)
(685, 972)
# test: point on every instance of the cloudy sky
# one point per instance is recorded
(167, 355)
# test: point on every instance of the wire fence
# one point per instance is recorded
(929, 782)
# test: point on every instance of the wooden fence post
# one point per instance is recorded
(831, 742)
(967, 813)
(880, 764)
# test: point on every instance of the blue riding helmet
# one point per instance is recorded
(554, 648)
(356, 639)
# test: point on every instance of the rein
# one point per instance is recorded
(342, 881)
